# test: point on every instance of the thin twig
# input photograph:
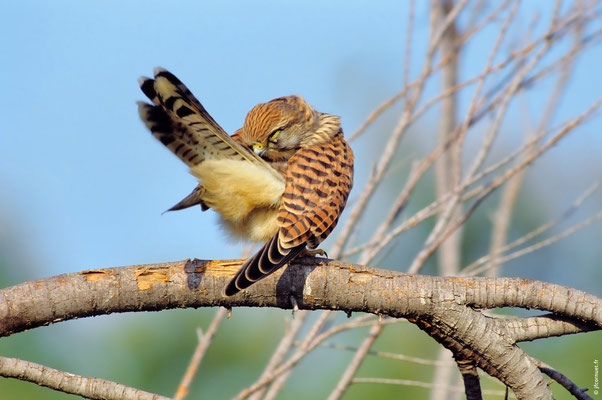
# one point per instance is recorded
(295, 358)
(301, 350)
(397, 134)
(509, 197)
(432, 208)
(540, 244)
(408, 45)
(199, 353)
(469, 270)
(448, 167)
(562, 380)
(426, 385)
(354, 365)
(497, 182)
(427, 161)
(435, 238)
(566, 383)
(384, 354)
(283, 348)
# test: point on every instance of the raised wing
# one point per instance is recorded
(180, 122)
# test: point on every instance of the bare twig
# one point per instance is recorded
(498, 181)
(283, 348)
(566, 383)
(540, 244)
(199, 353)
(354, 365)
(448, 166)
(469, 270)
(397, 134)
(502, 217)
(408, 45)
(436, 236)
(301, 350)
(91, 388)
(426, 385)
(384, 354)
(297, 356)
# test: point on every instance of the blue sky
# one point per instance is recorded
(83, 184)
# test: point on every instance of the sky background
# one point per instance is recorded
(83, 183)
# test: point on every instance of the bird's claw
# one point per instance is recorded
(314, 253)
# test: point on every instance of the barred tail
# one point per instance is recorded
(266, 261)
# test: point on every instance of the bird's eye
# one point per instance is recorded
(273, 137)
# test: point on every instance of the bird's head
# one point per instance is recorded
(277, 129)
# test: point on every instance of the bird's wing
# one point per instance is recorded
(196, 196)
(180, 122)
(318, 182)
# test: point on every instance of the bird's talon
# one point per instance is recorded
(295, 305)
(315, 253)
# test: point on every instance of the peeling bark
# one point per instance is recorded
(444, 307)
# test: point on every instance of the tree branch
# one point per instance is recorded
(444, 307)
(93, 388)
(566, 383)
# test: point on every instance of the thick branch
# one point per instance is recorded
(442, 306)
(314, 283)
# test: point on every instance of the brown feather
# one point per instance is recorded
(318, 181)
(290, 198)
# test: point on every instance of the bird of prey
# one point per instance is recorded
(282, 179)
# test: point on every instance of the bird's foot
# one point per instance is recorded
(314, 253)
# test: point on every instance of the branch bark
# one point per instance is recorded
(444, 307)
(93, 388)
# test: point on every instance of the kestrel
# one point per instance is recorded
(282, 179)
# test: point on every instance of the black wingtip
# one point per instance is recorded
(163, 73)
(159, 70)
(147, 85)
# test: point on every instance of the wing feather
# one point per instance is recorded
(319, 180)
(180, 122)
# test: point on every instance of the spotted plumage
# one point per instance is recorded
(282, 179)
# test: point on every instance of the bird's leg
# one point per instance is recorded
(295, 305)
(313, 253)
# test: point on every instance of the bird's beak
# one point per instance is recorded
(258, 149)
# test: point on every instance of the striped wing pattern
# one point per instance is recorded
(318, 182)
(196, 196)
(180, 122)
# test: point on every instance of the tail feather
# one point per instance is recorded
(266, 261)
